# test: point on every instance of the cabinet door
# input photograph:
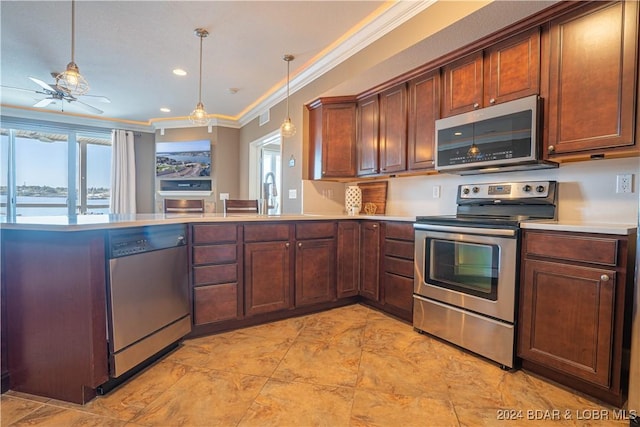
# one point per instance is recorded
(367, 145)
(566, 319)
(512, 68)
(424, 110)
(463, 81)
(268, 275)
(348, 262)
(215, 303)
(393, 129)
(593, 60)
(315, 271)
(370, 263)
(332, 141)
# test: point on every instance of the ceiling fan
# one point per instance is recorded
(55, 93)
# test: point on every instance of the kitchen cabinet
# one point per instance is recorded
(268, 267)
(397, 267)
(592, 70)
(370, 260)
(423, 111)
(348, 259)
(367, 136)
(572, 320)
(503, 72)
(216, 276)
(315, 263)
(332, 138)
(393, 129)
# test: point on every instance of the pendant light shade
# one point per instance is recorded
(71, 81)
(199, 116)
(287, 129)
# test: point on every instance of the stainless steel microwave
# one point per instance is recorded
(499, 138)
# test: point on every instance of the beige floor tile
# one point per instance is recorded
(203, 398)
(371, 408)
(339, 326)
(288, 328)
(300, 405)
(13, 409)
(319, 362)
(238, 352)
(55, 416)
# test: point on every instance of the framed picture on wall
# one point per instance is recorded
(183, 159)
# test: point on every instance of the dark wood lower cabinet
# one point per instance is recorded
(370, 260)
(397, 267)
(315, 271)
(574, 318)
(348, 259)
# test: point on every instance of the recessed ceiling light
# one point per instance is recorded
(165, 110)
(179, 72)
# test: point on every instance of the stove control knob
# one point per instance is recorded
(526, 188)
(465, 190)
(476, 189)
(540, 188)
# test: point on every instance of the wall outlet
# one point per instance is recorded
(293, 194)
(224, 196)
(624, 183)
(436, 191)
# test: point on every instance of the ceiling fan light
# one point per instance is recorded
(199, 116)
(71, 81)
(287, 129)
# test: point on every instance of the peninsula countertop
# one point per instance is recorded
(113, 221)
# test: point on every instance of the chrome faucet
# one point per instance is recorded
(269, 192)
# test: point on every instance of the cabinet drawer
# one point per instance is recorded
(215, 303)
(212, 274)
(210, 233)
(399, 230)
(265, 232)
(214, 254)
(399, 266)
(398, 249)
(572, 247)
(315, 230)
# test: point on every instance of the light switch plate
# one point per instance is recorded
(293, 193)
(436, 191)
(224, 196)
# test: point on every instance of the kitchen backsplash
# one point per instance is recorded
(587, 192)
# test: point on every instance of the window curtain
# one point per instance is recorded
(123, 173)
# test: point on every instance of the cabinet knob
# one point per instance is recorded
(286, 245)
(551, 148)
(476, 105)
(375, 226)
(604, 278)
(299, 244)
(324, 172)
(492, 101)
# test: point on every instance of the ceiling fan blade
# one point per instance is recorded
(98, 98)
(43, 102)
(17, 88)
(42, 84)
(89, 107)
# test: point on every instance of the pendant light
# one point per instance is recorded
(71, 81)
(199, 116)
(287, 129)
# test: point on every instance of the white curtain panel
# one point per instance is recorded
(123, 173)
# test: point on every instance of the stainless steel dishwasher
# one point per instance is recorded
(148, 295)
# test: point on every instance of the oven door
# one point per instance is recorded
(470, 268)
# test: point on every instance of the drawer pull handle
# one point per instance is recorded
(604, 278)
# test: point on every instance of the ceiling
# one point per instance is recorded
(127, 50)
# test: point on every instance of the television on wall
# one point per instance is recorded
(187, 159)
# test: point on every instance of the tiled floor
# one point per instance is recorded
(351, 366)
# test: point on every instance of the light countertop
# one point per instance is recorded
(103, 222)
(581, 227)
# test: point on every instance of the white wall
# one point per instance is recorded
(586, 192)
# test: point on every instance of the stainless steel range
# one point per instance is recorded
(467, 265)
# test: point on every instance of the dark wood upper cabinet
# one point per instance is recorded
(512, 68)
(367, 136)
(393, 129)
(592, 71)
(332, 142)
(463, 82)
(423, 111)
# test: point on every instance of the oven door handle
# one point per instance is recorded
(467, 230)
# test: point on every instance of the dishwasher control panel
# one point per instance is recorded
(137, 240)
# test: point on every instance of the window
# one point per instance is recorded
(38, 177)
